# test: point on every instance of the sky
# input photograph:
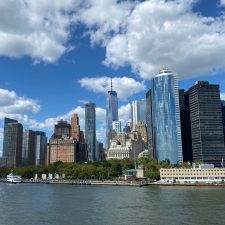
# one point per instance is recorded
(57, 55)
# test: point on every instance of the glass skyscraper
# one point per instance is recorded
(90, 130)
(12, 143)
(138, 112)
(40, 149)
(111, 111)
(166, 117)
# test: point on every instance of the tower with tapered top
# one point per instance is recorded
(111, 111)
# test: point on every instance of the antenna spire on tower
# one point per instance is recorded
(111, 83)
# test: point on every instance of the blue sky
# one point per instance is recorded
(55, 56)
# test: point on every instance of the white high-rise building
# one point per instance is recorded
(138, 112)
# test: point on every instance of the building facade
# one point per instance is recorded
(90, 130)
(29, 145)
(62, 149)
(142, 129)
(223, 116)
(12, 142)
(62, 129)
(149, 124)
(185, 126)
(40, 147)
(193, 175)
(126, 145)
(111, 111)
(116, 126)
(166, 118)
(75, 127)
(206, 123)
(138, 112)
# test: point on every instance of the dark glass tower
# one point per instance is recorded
(111, 111)
(223, 116)
(40, 147)
(206, 123)
(185, 126)
(149, 123)
(90, 130)
(28, 152)
(166, 118)
(12, 143)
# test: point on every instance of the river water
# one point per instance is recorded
(43, 204)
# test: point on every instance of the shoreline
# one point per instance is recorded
(116, 183)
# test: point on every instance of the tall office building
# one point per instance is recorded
(138, 112)
(223, 116)
(116, 126)
(111, 111)
(166, 117)
(28, 151)
(75, 127)
(12, 143)
(90, 130)
(40, 147)
(149, 124)
(206, 123)
(185, 126)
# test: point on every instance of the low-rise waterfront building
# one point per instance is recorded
(203, 174)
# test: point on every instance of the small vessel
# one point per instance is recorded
(12, 178)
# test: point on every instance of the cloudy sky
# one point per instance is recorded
(57, 55)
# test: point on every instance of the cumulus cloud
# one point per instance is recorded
(40, 29)
(124, 86)
(11, 103)
(149, 35)
(124, 113)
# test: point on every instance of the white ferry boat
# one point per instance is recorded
(11, 178)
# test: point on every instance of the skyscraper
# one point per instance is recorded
(223, 116)
(149, 123)
(28, 152)
(138, 112)
(90, 130)
(166, 117)
(12, 143)
(111, 111)
(206, 123)
(75, 127)
(185, 126)
(116, 126)
(40, 148)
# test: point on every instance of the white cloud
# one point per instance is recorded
(144, 34)
(149, 35)
(124, 114)
(10, 103)
(40, 29)
(124, 86)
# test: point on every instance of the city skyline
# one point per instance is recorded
(40, 86)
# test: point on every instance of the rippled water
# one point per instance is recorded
(42, 204)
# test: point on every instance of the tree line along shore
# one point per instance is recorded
(100, 170)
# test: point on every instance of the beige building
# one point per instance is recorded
(204, 174)
(142, 129)
(126, 146)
